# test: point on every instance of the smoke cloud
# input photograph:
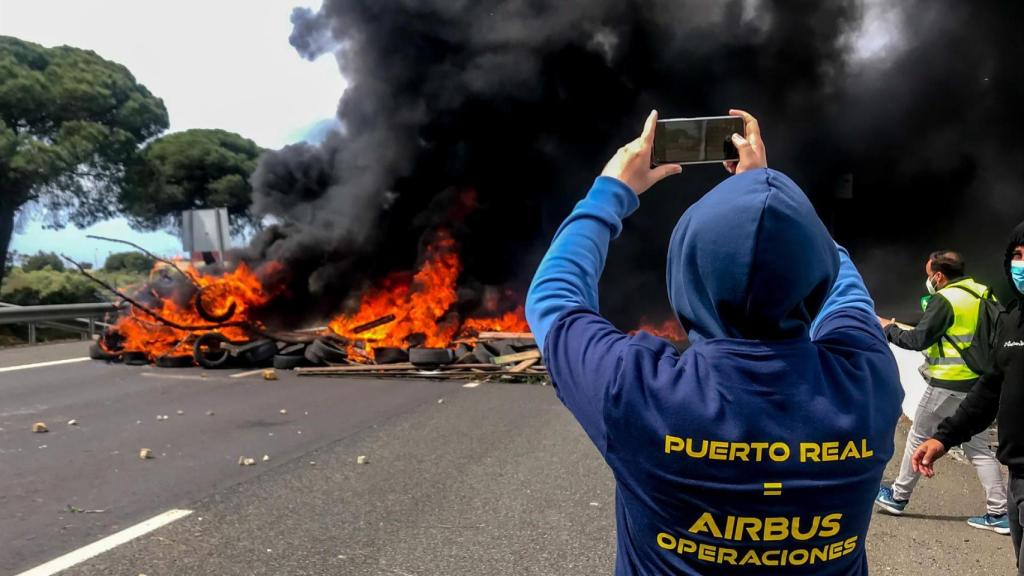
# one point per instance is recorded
(522, 101)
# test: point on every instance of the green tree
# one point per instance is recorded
(32, 288)
(70, 124)
(41, 260)
(187, 170)
(128, 261)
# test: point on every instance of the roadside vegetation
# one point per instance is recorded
(43, 279)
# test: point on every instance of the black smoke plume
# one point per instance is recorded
(522, 101)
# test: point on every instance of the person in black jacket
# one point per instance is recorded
(998, 395)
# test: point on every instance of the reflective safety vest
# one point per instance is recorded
(943, 360)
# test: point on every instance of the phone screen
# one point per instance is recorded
(695, 140)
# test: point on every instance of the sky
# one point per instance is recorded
(216, 63)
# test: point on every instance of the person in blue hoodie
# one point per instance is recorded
(759, 449)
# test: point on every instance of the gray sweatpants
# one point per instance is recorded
(936, 405)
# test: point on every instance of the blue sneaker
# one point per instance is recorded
(889, 504)
(999, 524)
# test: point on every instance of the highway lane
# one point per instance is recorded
(496, 479)
(96, 466)
(22, 355)
(499, 480)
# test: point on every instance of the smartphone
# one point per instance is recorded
(695, 140)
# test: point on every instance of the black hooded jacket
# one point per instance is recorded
(999, 395)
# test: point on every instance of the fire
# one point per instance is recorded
(422, 306)
(511, 321)
(401, 310)
(417, 308)
(669, 329)
(240, 288)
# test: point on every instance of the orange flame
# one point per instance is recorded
(421, 305)
(670, 329)
(511, 321)
(241, 287)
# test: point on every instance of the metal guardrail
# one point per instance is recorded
(85, 314)
(18, 314)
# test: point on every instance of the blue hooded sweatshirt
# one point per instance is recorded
(759, 450)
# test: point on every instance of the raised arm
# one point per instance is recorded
(582, 349)
(568, 275)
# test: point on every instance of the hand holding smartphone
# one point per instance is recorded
(696, 140)
(631, 165)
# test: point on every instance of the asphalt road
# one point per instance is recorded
(932, 538)
(96, 466)
(495, 480)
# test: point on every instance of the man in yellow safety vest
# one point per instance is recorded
(948, 326)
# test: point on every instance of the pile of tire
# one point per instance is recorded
(326, 351)
(485, 352)
(98, 352)
(291, 356)
(109, 347)
(431, 358)
(213, 350)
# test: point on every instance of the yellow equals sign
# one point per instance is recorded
(773, 488)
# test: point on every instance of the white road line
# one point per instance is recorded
(244, 374)
(470, 384)
(173, 376)
(41, 364)
(109, 543)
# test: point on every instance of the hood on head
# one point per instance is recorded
(751, 259)
(1016, 239)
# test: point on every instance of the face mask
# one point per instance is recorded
(1017, 273)
(930, 285)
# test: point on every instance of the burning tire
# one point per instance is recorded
(323, 351)
(207, 314)
(135, 359)
(175, 361)
(208, 351)
(257, 353)
(389, 355)
(430, 357)
(96, 352)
